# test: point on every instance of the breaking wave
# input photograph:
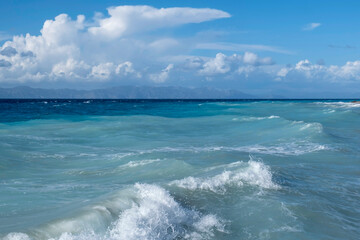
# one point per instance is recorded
(252, 173)
(145, 211)
(133, 164)
(340, 104)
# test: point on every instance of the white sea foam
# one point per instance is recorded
(291, 148)
(132, 164)
(312, 126)
(252, 173)
(340, 104)
(328, 111)
(144, 211)
(117, 156)
(254, 118)
(158, 216)
(16, 236)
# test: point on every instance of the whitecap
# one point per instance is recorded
(158, 216)
(253, 173)
(288, 148)
(143, 211)
(340, 104)
(291, 148)
(17, 236)
(247, 119)
(133, 164)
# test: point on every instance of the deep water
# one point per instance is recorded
(136, 169)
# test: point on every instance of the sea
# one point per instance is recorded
(179, 169)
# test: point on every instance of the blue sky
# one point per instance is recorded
(254, 46)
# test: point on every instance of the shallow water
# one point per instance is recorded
(105, 169)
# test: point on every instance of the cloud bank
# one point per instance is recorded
(130, 45)
(112, 47)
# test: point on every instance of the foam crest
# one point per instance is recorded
(255, 118)
(158, 216)
(133, 164)
(144, 211)
(16, 236)
(254, 174)
(289, 149)
(311, 126)
(340, 104)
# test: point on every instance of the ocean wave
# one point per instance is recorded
(159, 216)
(255, 118)
(287, 149)
(315, 126)
(339, 104)
(144, 211)
(252, 173)
(33, 137)
(133, 164)
(291, 148)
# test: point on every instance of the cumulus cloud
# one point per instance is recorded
(105, 49)
(122, 47)
(311, 26)
(304, 69)
(223, 64)
(102, 71)
(127, 69)
(163, 75)
(219, 64)
(70, 69)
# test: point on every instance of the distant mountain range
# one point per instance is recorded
(147, 92)
(124, 92)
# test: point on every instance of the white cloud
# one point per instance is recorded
(126, 69)
(125, 20)
(223, 64)
(71, 69)
(163, 75)
(350, 71)
(105, 49)
(121, 47)
(304, 69)
(311, 26)
(216, 65)
(103, 71)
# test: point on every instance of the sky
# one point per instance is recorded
(255, 46)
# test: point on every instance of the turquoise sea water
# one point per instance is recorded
(92, 169)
